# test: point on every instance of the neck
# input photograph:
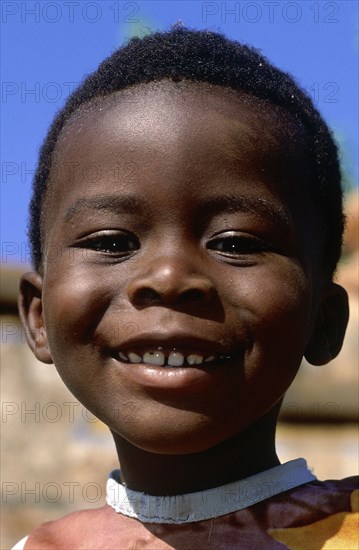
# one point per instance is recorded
(248, 453)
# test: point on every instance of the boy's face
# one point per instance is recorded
(179, 219)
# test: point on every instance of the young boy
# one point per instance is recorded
(190, 191)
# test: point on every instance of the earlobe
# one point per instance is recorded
(328, 332)
(30, 311)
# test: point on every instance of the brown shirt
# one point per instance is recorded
(315, 516)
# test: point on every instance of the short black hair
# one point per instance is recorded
(205, 56)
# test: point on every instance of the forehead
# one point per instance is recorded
(164, 116)
(171, 107)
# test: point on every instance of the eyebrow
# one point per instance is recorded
(209, 206)
(129, 204)
(239, 203)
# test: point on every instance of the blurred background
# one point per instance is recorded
(55, 454)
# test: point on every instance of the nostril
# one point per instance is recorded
(148, 295)
(192, 295)
(179, 290)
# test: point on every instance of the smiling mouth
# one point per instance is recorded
(170, 358)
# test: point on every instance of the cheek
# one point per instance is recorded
(270, 306)
(278, 291)
(273, 302)
(74, 301)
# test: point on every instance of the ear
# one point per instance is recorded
(30, 311)
(329, 328)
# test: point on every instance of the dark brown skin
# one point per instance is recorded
(248, 282)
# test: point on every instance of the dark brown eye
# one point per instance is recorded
(111, 243)
(238, 245)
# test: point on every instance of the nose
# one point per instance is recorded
(170, 282)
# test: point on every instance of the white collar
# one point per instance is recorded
(207, 504)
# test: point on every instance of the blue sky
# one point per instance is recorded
(48, 46)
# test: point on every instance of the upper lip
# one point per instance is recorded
(179, 341)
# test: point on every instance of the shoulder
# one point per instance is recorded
(71, 530)
(318, 511)
(339, 491)
(322, 497)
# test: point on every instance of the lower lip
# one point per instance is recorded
(196, 377)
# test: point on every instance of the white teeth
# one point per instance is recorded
(175, 359)
(194, 359)
(134, 358)
(154, 357)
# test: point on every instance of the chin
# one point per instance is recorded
(181, 440)
(173, 448)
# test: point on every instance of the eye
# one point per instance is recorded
(110, 243)
(238, 245)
